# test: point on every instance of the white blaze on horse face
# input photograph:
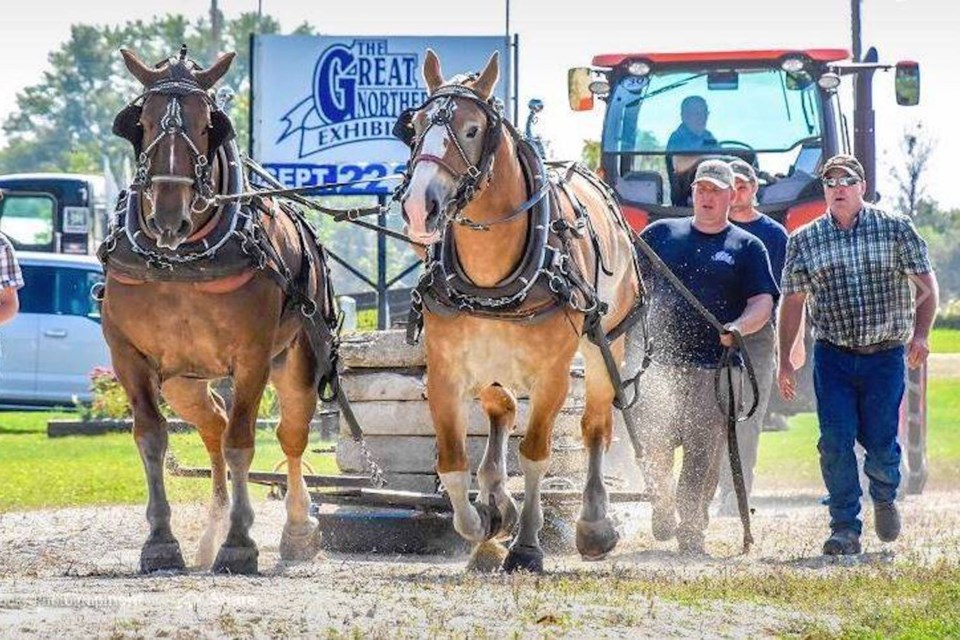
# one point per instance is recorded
(421, 198)
(173, 156)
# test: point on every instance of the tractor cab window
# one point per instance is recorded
(667, 122)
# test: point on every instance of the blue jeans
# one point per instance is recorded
(858, 399)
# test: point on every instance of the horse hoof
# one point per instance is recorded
(524, 558)
(596, 539)
(487, 557)
(237, 560)
(161, 556)
(511, 516)
(491, 521)
(299, 546)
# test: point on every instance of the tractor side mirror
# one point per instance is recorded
(578, 89)
(907, 83)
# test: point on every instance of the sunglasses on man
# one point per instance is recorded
(845, 181)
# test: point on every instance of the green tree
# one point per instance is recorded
(916, 147)
(590, 154)
(941, 230)
(63, 123)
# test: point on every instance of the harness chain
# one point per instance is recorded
(554, 271)
(246, 231)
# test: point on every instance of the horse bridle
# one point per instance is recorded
(469, 181)
(181, 83)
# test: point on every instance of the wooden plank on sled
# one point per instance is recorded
(273, 479)
(440, 503)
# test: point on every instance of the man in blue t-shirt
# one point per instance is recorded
(728, 271)
(760, 345)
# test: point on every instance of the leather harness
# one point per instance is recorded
(547, 279)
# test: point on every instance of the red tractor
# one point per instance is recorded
(784, 111)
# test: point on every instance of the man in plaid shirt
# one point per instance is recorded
(10, 279)
(853, 268)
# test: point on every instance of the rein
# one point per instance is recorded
(727, 365)
(339, 215)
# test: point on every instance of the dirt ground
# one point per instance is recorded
(73, 572)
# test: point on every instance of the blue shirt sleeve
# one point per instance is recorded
(758, 277)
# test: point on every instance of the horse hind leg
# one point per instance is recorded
(596, 535)
(294, 380)
(197, 403)
(501, 408)
(161, 551)
(238, 553)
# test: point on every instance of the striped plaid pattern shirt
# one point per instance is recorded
(856, 280)
(10, 274)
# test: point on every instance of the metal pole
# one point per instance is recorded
(383, 307)
(508, 22)
(855, 29)
(215, 28)
(516, 78)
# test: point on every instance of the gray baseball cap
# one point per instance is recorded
(717, 172)
(743, 170)
(846, 163)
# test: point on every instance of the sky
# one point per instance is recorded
(554, 37)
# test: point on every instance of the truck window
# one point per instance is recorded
(38, 286)
(73, 292)
(28, 220)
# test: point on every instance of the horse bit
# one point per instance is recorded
(173, 127)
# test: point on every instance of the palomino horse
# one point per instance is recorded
(524, 266)
(199, 290)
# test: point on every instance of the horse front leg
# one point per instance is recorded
(198, 404)
(546, 401)
(161, 551)
(596, 535)
(474, 523)
(238, 554)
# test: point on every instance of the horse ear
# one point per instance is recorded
(209, 77)
(488, 78)
(431, 71)
(146, 75)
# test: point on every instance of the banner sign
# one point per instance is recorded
(323, 107)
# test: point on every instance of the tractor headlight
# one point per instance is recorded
(793, 65)
(829, 81)
(638, 68)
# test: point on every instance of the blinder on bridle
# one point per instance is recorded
(180, 83)
(469, 182)
(403, 128)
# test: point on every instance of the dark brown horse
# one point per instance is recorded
(200, 289)
(526, 267)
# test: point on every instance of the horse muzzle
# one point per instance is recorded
(423, 216)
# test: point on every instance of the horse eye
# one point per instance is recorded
(472, 132)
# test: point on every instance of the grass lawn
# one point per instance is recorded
(869, 601)
(945, 341)
(41, 472)
(796, 448)
(79, 470)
